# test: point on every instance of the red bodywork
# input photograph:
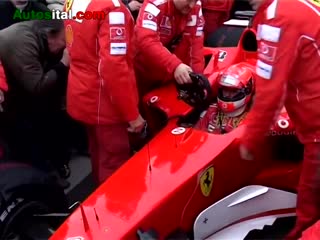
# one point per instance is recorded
(158, 188)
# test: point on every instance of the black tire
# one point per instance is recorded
(225, 36)
(4, 150)
(25, 191)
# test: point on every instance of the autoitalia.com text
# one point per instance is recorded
(55, 14)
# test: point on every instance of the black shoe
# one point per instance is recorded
(63, 183)
(55, 176)
(64, 171)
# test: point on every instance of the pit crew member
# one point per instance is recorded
(169, 40)
(215, 13)
(102, 90)
(288, 75)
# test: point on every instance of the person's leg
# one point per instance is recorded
(93, 149)
(109, 148)
(48, 147)
(213, 19)
(58, 143)
(25, 141)
(308, 202)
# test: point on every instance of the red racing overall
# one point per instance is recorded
(288, 72)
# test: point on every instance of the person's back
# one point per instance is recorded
(304, 79)
(294, 36)
(86, 75)
(288, 35)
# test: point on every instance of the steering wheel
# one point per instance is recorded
(197, 94)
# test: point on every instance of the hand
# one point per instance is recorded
(137, 125)
(134, 5)
(181, 74)
(65, 58)
(1, 100)
(245, 153)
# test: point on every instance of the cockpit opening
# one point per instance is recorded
(249, 41)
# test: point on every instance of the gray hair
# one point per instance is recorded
(49, 27)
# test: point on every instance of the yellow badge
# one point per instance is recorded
(206, 181)
(68, 5)
(315, 2)
(69, 35)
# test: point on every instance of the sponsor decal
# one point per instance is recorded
(281, 133)
(118, 48)
(193, 21)
(149, 21)
(165, 22)
(117, 33)
(268, 33)
(267, 52)
(264, 70)
(201, 22)
(199, 31)
(206, 181)
(283, 123)
(116, 18)
(165, 26)
(150, 8)
(222, 55)
(159, 2)
(165, 31)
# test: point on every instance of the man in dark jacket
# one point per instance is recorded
(9, 7)
(36, 68)
(134, 6)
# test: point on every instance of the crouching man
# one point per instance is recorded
(33, 79)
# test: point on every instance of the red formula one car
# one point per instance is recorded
(187, 183)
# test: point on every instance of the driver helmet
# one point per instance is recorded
(235, 89)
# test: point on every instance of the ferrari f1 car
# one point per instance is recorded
(191, 184)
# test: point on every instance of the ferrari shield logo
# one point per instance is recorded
(68, 5)
(206, 181)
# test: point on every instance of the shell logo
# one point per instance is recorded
(69, 35)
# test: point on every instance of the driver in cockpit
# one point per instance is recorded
(235, 92)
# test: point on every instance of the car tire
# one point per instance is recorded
(26, 191)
